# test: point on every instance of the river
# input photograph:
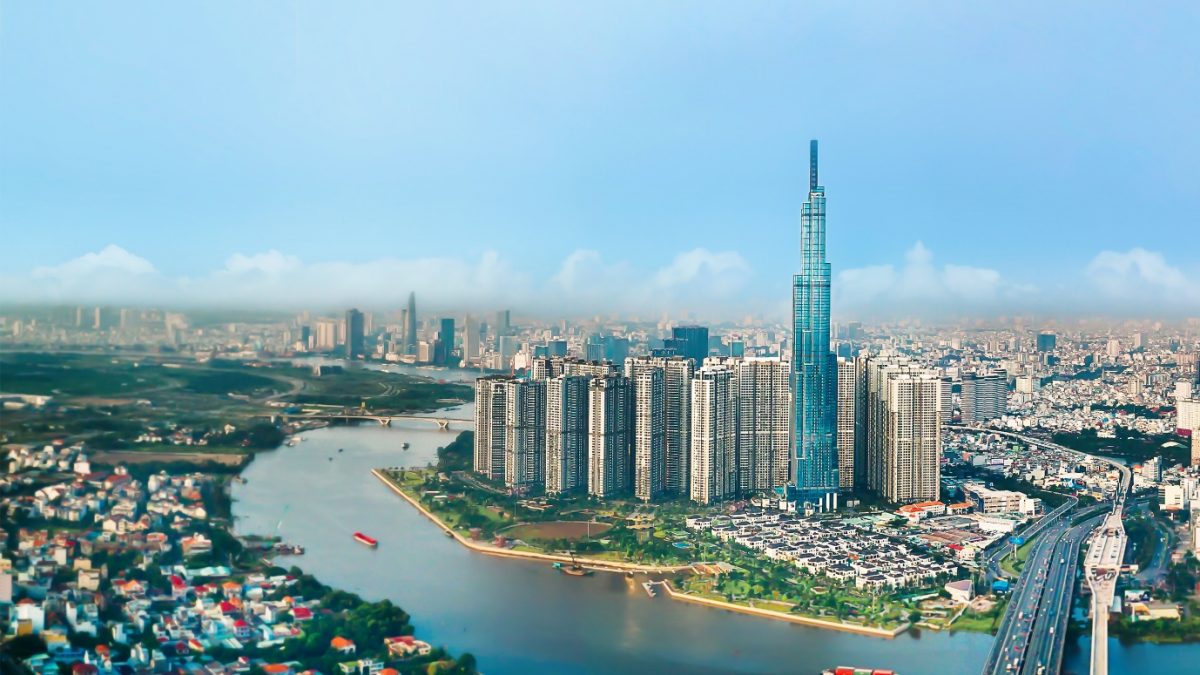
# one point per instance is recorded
(522, 617)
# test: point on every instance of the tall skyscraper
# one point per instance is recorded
(609, 421)
(410, 326)
(525, 434)
(814, 371)
(677, 416)
(354, 334)
(763, 399)
(714, 436)
(503, 322)
(690, 342)
(490, 421)
(566, 433)
(649, 458)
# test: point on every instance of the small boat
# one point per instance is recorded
(404, 445)
(341, 449)
(364, 539)
(574, 569)
(449, 533)
(649, 588)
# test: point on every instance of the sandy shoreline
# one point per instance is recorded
(613, 566)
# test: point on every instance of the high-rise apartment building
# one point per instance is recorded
(491, 396)
(984, 396)
(904, 445)
(566, 434)
(814, 371)
(714, 435)
(649, 455)
(355, 339)
(850, 387)
(677, 398)
(946, 399)
(762, 391)
(525, 434)
(609, 421)
(325, 335)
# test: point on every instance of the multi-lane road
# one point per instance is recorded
(1032, 632)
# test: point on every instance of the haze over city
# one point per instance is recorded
(609, 158)
(641, 338)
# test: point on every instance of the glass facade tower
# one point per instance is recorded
(814, 366)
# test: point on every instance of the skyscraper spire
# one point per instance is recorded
(814, 375)
(812, 165)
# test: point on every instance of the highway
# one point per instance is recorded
(1032, 632)
(1047, 637)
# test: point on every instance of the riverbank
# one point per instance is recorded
(619, 567)
(488, 549)
(783, 616)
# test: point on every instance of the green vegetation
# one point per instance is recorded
(378, 391)
(1143, 537)
(1129, 444)
(1001, 482)
(1015, 563)
(981, 622)
(1136, 410)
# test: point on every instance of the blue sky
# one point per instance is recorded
(642, 156)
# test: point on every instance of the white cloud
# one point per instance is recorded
(111, 258)
(1142, 277)
(584, 283)
(918, 287)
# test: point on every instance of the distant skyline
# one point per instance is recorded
(573, 159)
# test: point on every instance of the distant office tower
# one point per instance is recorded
(677, 399)
(566, 434)
(470, 339)
(491, 394)
(814, 371)
(444, 343)
(503, 323)
(1139, 340)
(763, 416)
(609, 421)
(410, 326)
(556, 348)
(850, 414)
(984, 396)
(649, 458)
(1046, 342)
(525, 434)
(946, 399)
(714, 436)
(354, 334)
(508, 346)
(690, 342)
(904, 449)
(326, 335)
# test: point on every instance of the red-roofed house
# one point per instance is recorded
(341, 645)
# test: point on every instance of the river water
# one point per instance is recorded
(523, 617)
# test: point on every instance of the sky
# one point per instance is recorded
(978, 158)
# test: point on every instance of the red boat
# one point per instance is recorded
(364, 539)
